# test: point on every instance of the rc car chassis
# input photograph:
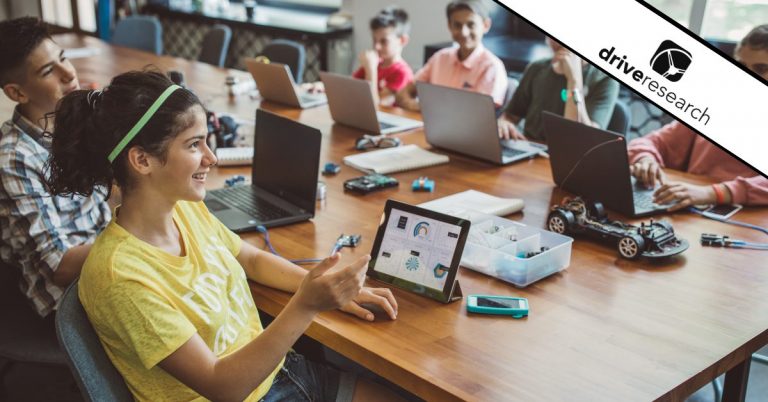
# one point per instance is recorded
(655, 239)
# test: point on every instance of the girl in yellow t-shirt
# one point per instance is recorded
(165, 284)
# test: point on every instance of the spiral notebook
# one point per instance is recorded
(398, 159)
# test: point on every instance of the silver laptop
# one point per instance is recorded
(276, 84)
(351, 104)
(593, 163)
(465, 122)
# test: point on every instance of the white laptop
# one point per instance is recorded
(276, 84)
(351, 103)
(465, 122)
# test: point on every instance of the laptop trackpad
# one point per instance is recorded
(215, 205)
(235, 219)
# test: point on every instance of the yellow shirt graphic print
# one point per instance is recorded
(145, 303)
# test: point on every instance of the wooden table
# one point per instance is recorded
(604, 329)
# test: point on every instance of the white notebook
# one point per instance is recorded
(398, 159)
(461, 204)
(234, 156)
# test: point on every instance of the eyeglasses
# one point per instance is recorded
(376, 141)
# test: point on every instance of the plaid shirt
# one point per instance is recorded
(36, 229)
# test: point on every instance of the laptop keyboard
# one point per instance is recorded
(308, 98)
(644, 202)
(244, 199)
(385, 126)
(511, 152)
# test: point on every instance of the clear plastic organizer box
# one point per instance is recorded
(500, 248)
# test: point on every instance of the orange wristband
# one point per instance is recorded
(719, 196)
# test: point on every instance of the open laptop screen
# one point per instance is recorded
(590, 162)
(293, 178)
(460, 121)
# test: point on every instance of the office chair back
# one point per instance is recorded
(24, 336)
(141, 32)
(216, 45)
(621, 119)
(97, 378)
(287, 52)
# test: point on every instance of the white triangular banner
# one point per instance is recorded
(687, 79)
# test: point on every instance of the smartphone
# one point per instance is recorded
(517, 307)
(724, 211)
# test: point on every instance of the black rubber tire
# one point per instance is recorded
(596, 210)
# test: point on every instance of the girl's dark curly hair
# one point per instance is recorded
(89, 124)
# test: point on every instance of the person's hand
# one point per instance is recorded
(325, 289)
(380, 297)
(648, 172)
(568, 64)
(508, 130)
(684, 195)
(369, 60)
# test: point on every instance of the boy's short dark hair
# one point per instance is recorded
(757, 38)
(476, 6)
(392, 17)
(20, 37)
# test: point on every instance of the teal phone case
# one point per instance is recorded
(515, 313)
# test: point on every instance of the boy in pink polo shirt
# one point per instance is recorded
(470, 65)
(675, 146)
(383, 66)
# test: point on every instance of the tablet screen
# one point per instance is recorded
(418, 250)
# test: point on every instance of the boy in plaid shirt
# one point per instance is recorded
(45, 237)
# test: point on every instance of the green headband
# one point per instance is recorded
(142, 122)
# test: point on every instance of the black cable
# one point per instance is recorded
(589, 151)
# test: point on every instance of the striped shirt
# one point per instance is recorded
(36, 229)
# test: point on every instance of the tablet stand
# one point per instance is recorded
(456, 293)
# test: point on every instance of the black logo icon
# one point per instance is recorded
(671, 61)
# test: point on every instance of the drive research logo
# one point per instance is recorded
(671, 60)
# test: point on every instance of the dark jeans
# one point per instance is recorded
(304, 380)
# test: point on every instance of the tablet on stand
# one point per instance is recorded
(419, 250)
